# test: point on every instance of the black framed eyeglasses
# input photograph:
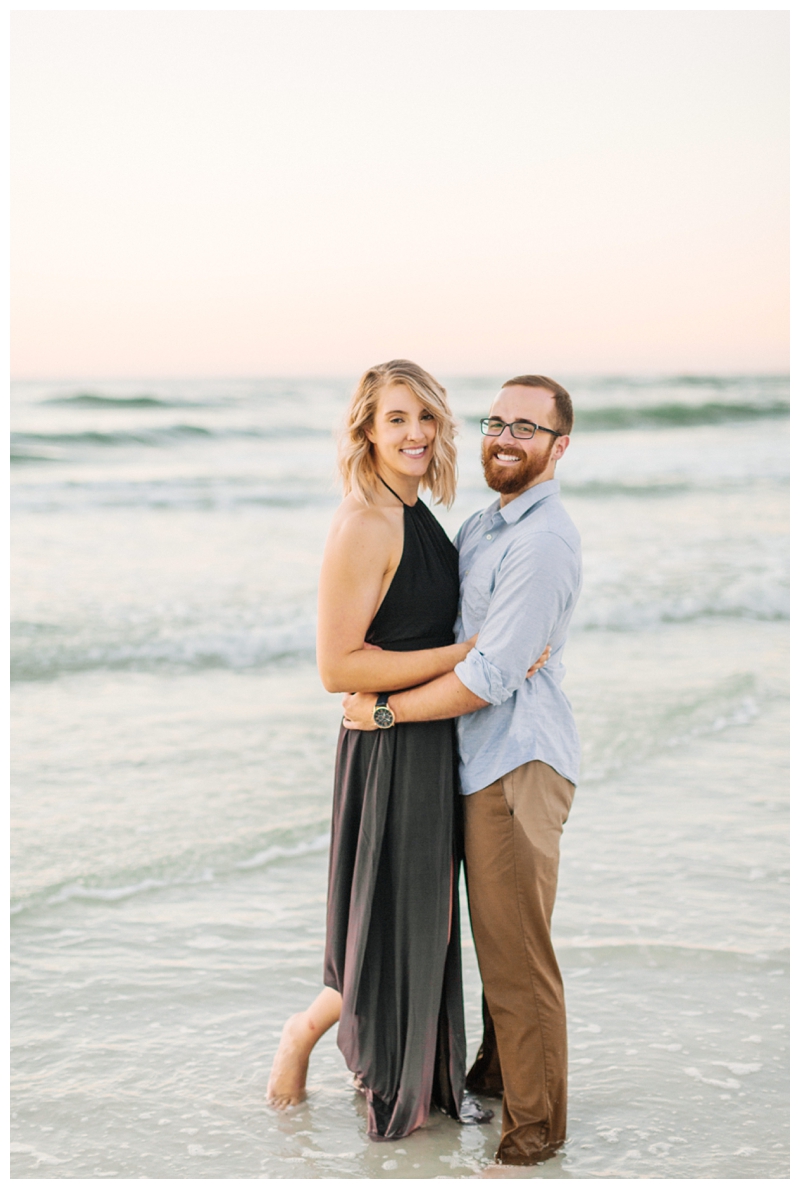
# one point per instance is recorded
(492, 427)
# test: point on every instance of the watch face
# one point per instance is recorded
(383, 716)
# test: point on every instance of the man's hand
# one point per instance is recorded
(358, 712)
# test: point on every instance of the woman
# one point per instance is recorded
(388, 600)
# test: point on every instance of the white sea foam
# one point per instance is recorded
(313, 846)
(318, 843)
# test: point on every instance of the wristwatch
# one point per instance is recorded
(382, 713)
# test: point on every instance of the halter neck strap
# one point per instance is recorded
(394, 493)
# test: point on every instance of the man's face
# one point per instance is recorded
(511, 465)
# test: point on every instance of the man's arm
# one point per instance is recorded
(445, 697)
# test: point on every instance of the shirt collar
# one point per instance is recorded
(516, 509)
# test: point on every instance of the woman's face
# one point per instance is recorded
(402, 432)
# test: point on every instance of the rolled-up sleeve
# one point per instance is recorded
(534, 583)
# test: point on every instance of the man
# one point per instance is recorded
(520, 570)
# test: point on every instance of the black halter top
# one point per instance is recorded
(420, 607)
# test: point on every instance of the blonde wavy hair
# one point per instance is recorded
(356, 455)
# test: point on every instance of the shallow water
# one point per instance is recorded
(173, 752)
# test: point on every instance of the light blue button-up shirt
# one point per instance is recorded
(520, 569)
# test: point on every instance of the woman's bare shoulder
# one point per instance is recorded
(365, 524)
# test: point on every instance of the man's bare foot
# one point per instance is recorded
(287, 1081)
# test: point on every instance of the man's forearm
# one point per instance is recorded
(445, 697)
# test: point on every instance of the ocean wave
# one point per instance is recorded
(637, 740)
(45, 651)
(39, 501)
(599, 488)
(621, 618)
(92, 437)
(733, 383)
(675, 415)
(286, 844)
(158, 436)
(42, 651)
(272, 853)
(200, 494)
(318, 488)
(92, 400)
(18, 457)
(708, 485)
(764, 598)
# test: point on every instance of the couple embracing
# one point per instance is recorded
(458, 742)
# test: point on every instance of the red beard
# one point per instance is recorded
(510, 482)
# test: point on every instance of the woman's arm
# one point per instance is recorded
(362, 550)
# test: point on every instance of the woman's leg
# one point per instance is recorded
(287, 1081)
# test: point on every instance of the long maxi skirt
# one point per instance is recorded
(393, 946)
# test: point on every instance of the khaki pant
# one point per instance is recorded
(512, 834)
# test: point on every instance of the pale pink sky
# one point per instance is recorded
(243, 193)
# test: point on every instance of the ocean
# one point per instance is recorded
(172, 767)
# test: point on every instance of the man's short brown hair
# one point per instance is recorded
(564, 413)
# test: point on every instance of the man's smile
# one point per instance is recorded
(506, 454)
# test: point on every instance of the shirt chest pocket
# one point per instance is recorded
(477, 592)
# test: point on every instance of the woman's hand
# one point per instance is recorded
(358, 711)
(536, 666)
(467, 646)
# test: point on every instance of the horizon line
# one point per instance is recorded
(679, 374)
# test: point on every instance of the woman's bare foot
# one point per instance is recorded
(287, 1080)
